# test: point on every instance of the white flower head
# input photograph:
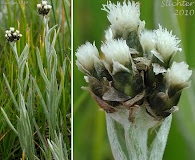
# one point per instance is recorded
(178, 74)
(17, 31)
(116, 50)
(44, 2)
(12, 35)
(86, 54)
(49, 6)
(43, 8)
(39, 6)
(12, 29)
(124, 18)
(15, 34)
(147, 40)
(166, 43)
(7, 31)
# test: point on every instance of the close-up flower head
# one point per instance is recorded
(124, 17)
(43, 8)
(135, 79)
(12, 35)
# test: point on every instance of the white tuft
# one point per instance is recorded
(12, 29)
(17, 31)
(124, 18)
(44, 2)
(178, 74)
(14, 34)
(147, 40)
(86, 54)
(39, 6)
(45, 7)
(7, 32)
(116, 50)
(166, 43)
(49, 6)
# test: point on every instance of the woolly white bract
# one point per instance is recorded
(157, 69)
(124, 18)
(86, 54)
(166, 43)
(116, 50)
(178, 74)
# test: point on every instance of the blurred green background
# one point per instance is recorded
(90, 138)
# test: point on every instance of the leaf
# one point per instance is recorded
(11, 93)
(160, 141)
(41, 68)
(8, 121)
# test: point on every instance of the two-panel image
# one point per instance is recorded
(97, 80)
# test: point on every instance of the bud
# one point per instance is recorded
(39, 6)
(11, 29)
(178, 76)
(44, 2)
(124, 18)
(166, 43)
(86, 54)
(147, 40)
(116, 50)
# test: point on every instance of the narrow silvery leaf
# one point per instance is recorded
(11, 93)
(41, 67)
(8, 121)
(116, 147)
(159, 143)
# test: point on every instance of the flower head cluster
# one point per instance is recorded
(43, 8)
(12, 35)
(136, 68)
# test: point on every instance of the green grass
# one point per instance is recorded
(90, 137)
(47, 132)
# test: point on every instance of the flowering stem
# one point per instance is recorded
(45, 21)
(14, 49)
